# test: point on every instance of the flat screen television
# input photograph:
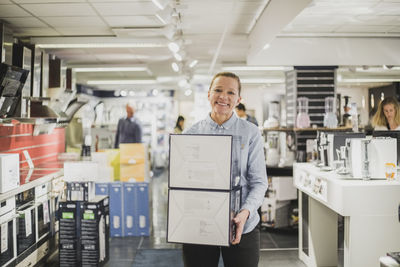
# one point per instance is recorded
(12, 80)
(392, 134)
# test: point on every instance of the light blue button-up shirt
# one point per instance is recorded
(253, 169)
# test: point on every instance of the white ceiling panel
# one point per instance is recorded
(62, 9)
(65, 22)
(133, 21)
(47, 1)
(379, 20)
(35, 32)
(84, 31)
(363, 29)
(111, 1)
(395, 29)
(9, 11)
(125, 9)
(26, 22)
(388, 8)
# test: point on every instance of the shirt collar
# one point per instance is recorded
(226, 125)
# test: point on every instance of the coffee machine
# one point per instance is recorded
(368, 157)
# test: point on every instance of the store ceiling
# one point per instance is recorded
(218, 34)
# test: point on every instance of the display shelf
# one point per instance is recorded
(279, 129)
(38, 181)
(280, 171)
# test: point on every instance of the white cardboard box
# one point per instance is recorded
(202, 217)
(9, 172)
(200, 161)
(81, 171)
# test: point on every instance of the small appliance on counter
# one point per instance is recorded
(369, 158)
(302, 120)
(330, 118)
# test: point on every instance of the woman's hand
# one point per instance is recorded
(240, 219)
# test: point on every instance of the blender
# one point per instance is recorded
(330, 119)
(272, 149)
(273, 115)
(302, 120)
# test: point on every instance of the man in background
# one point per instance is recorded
(241, 112)
(129, 129)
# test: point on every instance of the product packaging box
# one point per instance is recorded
(132, 153)
(69, 233)
(80, 191)
(9, 172)
(143, 209)
(102, 189)
(95, 231)
(81, 171)
(133, 173)
(136, 209)
(202, 217)
(130, 210)
(203, 162)
(116, 209)
(113, 157)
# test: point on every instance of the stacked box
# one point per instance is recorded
(102, 189)
(69, 234)
(136, 209)
(80, 191)
(134, 163)
(204, 189)
(116, 209)
(95, 231)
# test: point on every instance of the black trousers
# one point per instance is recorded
(244, 254)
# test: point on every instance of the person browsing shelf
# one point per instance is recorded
(387, 117)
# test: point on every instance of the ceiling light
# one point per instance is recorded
(266, 46)
(174, 47)
(178, 57)
(98, 82)
(124, 93)
(101, 45)
(83, 69)
(262, 81)
(188, 92)
(159, 3)
(175, 66)
(256, 68)
(193, 63)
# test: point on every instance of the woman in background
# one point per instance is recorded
(387, 117)
(179, 125)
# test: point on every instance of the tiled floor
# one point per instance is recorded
(278, 247)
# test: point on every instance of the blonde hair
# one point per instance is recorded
(229, 75)
(379, 118)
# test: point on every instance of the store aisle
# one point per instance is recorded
(278, 247)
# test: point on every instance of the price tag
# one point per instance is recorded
(28, 223)
(4, 237)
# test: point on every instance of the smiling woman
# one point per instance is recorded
(224, 95)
